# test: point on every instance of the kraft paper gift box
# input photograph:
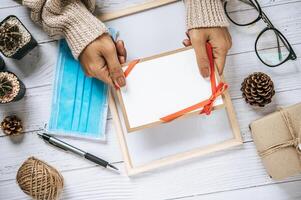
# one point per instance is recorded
(277, 139)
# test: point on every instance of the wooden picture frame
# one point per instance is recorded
(132, 170)
(122, 105)
(123, 133)
(134, 9)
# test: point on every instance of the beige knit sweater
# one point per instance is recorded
(73, 20)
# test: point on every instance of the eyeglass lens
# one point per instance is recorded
(272, 48)
(249, 15)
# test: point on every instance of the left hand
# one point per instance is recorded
(102, 59)
(220, 40)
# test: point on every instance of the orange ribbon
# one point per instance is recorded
(131, 65)
(207, 105)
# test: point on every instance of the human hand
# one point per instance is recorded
(102, 59)
(220, 40)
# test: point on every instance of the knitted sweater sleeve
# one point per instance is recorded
(205, 13)
(71, 19)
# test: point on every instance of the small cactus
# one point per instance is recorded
(15, 40)
(10, 36)
(6, 87)
(9, 87)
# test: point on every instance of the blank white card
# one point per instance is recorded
(161, 86)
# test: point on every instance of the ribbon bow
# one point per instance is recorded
(294, 142)
(209, 105)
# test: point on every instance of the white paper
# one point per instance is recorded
(162, 86)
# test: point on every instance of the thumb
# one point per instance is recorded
(114, 67)
(202, 58)
(220, 59)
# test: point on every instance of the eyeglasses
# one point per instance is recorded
(271, 47)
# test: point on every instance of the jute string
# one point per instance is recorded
(40, 180)
(294, 142)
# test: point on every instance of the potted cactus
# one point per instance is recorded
(15, 40)
(11, 87)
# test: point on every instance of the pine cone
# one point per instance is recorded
(258, 89)
(12, 125)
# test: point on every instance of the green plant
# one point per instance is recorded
(10, 36)
(6, 87)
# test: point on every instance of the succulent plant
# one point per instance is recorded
(15, 40)
(11, 88)
(10, 36)
(6, 87)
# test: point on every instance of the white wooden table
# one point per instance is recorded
(234, 174)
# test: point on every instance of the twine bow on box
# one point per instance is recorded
(294, 142)
(207, 104)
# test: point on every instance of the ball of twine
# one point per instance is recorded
(40, 180)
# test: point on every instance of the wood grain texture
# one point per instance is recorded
(9, 3)
(219, 172)
(134, 9)
(14, 152)
(280, 191)
(34, 109)
(236, 173)
(107, 6)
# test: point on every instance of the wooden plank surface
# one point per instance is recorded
(237, 173)
(222, 172)
(14, 152)
(281, 191)
(35, 107)
(134, 9)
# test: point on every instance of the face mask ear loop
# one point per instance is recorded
(89, 105)
(76, 85)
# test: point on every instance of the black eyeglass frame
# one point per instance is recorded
(261, 15)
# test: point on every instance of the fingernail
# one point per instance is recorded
(117, 87)
(220, 72)
(121, 59)
(205, 72)
(121, 81)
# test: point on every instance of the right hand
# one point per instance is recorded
(219, 38)
(102, 59)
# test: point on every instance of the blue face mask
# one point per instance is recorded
(79, 104)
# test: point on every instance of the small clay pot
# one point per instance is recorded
(17, 83)
(21, 41)
(2, 64)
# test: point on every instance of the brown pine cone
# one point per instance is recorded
(258, 89)
(11, 125)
